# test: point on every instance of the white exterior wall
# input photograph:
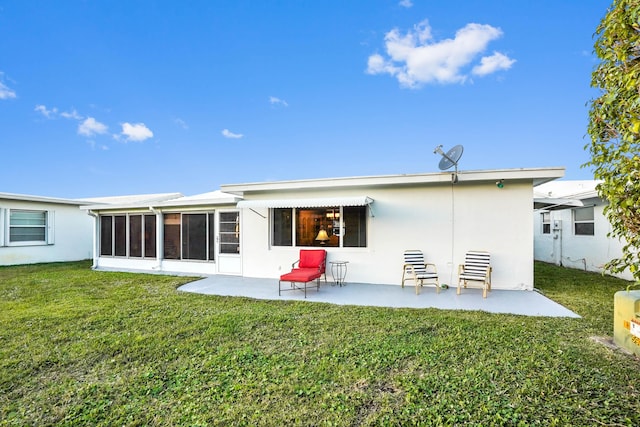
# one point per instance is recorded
(563, 247)
(442, 220)
(72, 235)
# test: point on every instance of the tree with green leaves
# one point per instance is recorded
(614, 127)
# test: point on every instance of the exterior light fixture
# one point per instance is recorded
(500, 184)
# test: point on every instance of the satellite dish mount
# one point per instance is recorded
(450, 158)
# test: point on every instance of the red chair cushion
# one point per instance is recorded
(312, 258)
(301, 275)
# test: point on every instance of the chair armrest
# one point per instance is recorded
(294, 264)
(460, 268)
(430, 264)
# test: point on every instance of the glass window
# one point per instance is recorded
(172, 236)
(546, 222)
(354, 232)
(120, 235)
(229, 232)
(314, 227)
(194, 236)
(583, 223)
(27, 226)
(106, 233)
(150, 236)
(282, 227)
(322, 227)
(135, 236)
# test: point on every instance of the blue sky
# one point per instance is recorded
(101, 98)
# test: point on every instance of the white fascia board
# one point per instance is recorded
(199, 202)
(42, 199)
(168, 204)
(535, 175)
(129, 202)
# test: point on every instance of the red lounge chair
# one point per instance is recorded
(311, 266)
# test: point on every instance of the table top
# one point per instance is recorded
(338, 262)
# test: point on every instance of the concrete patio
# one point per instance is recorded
(526, 303)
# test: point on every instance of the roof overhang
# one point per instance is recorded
(536, 176)
(41, 199)
(555, 204)
(215, 198)
(318, 202)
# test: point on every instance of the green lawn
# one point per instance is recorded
(82, 347)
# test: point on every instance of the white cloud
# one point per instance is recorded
(73, 114)
(406, 3)
(493, 63)
(415, 58)
(181, 123)
(91, 127)
(46, 112)
(5, 91)
(136, 132)
(228, 134)
(277, 101)
(53, 113)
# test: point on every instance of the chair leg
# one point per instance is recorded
(459, 289)
(279, 288)
(437, 286)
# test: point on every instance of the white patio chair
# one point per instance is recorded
(419, 271)
(476, 268)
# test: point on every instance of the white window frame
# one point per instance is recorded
(545, 219)
(338, 228)
(127, 230)
(585, 221)
(49, 217)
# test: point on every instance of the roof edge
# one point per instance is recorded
(536, 175)
(42, 199)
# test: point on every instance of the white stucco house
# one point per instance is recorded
(570, 228)
(257, 229)
(35, 229)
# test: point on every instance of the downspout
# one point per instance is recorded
(95, 238)
(159, 237)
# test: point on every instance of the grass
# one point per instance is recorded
(82, 347)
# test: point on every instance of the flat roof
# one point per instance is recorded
(536, 175)
(41, 199)
(166, 200)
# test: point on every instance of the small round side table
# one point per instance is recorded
(339, 272)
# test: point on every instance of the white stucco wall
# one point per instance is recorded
(442, 220)
(563, 247)
(72, 230)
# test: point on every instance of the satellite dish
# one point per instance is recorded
(449, 159)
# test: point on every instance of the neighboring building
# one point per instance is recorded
(570, 228)
(37, 229)
(257, 229)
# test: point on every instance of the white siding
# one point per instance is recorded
(563, 247)
(69, 234)
(442, 221)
